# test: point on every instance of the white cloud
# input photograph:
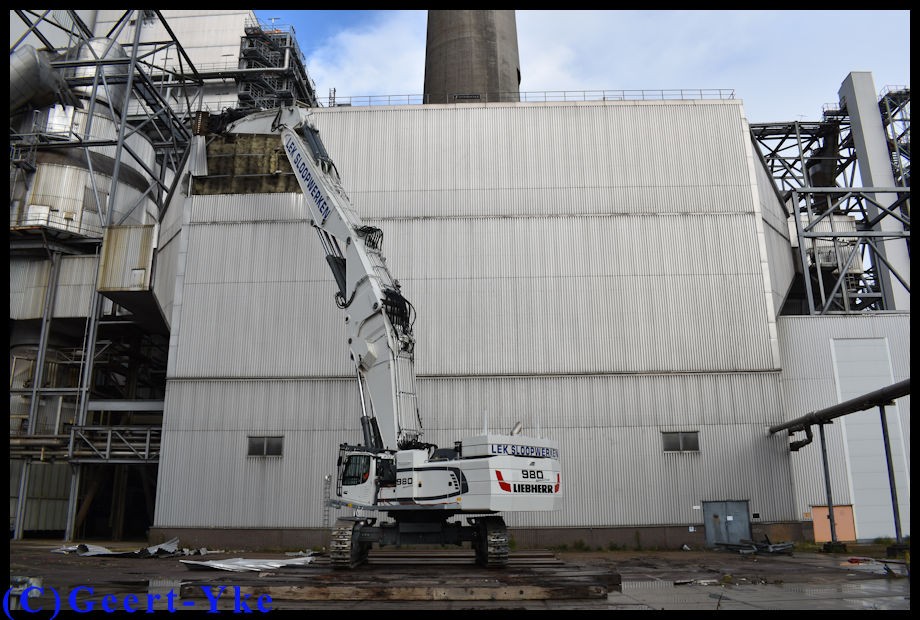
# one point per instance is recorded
(383, 57)
(783, 64)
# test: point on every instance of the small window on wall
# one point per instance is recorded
(681, 442)
(265, 446)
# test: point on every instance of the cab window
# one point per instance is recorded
(357, 469)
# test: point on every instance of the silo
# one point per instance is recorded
(101, 50)
(70, 188)
(472, 56)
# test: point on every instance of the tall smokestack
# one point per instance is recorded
(472, 56)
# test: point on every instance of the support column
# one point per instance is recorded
(21, 500)
(858, 96)
(833, 546)
(47, 313)
(76, 473)
(899, 545)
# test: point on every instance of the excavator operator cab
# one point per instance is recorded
(357, 479)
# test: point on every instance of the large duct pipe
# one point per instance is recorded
(32, 79)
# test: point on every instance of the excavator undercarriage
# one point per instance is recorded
(353, 537)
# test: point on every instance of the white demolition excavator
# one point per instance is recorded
(419, 493)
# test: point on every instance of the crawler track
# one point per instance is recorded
(492, 546)
(345, 551)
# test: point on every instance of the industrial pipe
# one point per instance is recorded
(860, 403)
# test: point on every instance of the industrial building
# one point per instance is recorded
(654, 282)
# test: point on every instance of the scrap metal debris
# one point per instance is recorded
(725, 580)
(240, 565)
(170, 548)
(745, 546)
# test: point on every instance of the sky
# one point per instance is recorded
(784, 65)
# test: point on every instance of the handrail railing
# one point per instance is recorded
(114, 443)
(54, 221)
(534, 96)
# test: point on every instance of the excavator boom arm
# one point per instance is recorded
(378, 318)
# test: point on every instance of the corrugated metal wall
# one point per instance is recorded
(517, 304)
(204, 448)
(274, 276)
(610, 427)
(168, 251)
(203, 45)
(528, 295)
(49, 488)
(600, 268)
(70, 191)
(61, 188)
(164, 276)
(127, 258)
(541, 159)
(75, 286)
(29, 282)
(809, 384)
(779, 253)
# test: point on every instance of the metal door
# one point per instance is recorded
(726, 522)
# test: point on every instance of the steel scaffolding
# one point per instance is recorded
(77, 401)
(840, 225)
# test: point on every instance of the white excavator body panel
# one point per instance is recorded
(523, 474)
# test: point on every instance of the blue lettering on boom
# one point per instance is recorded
(300, 165)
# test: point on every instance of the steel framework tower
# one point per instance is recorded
(96, 144)
(107, 110)
(846, 184)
